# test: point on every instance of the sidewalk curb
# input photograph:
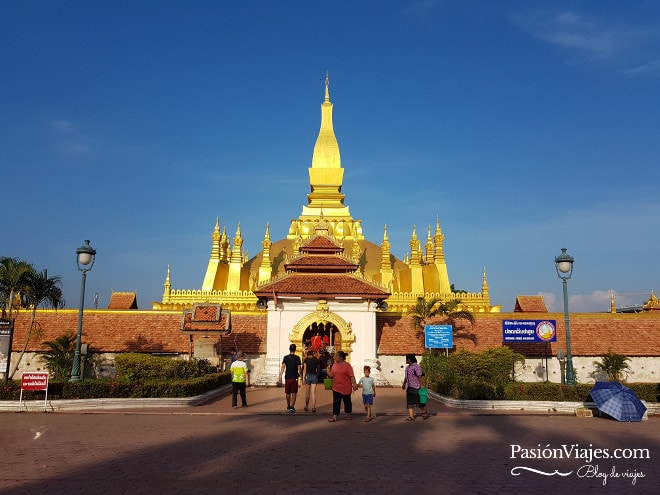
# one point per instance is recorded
(493, 406)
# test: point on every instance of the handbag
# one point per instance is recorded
(327, 383)
(423, 395)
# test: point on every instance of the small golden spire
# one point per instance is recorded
(167, 287)
(484, 284)
(327, 87)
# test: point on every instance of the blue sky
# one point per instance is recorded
(524, 126)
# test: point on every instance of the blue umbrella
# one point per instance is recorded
(618, 401)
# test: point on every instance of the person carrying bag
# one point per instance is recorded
(412, 384)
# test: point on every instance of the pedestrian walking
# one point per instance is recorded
(310, 376)
(368, 391)
(240, 380)
(291, 369)
(343, 386)
(411, 384)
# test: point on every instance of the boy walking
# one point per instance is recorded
(368, 391)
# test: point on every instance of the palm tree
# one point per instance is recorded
(13, 278)
(39, 290)
(423, 310)
(426, 309)
(447, 312)
(59, 355)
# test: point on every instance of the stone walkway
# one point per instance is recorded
(262, 449)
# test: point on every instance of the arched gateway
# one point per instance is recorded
(338, 331)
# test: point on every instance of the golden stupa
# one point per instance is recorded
(231, 278)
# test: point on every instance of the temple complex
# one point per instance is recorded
(231, 279)
(353, 278)
(323, 281)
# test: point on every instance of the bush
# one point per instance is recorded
(133, 366)
(613, 365)
(493, 366)
(118, 388)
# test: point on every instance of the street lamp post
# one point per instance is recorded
(85, 256)
(564, 266)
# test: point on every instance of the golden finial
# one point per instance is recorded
(327, 87)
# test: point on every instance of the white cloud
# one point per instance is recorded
(68, 139)
(598, 301)
(424, 9)
(588, 37)
(648, 68)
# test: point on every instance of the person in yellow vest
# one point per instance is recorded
(240, 379)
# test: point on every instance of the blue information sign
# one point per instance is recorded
(438, 337)
(529, 331)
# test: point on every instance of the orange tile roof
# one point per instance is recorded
(322, 263)
(206, 318)
(321, 244)
(123, 300)
(530, 304)
(313, 285)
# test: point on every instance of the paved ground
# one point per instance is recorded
(262, 449)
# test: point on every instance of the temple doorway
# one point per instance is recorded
(323, 331)
(322, 335)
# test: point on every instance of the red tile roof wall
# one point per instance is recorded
(131, 331)
(592, 334)
(634, 334)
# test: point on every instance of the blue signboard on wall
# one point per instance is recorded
(438, 337)
(529, 331)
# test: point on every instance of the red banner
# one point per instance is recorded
(34, 381)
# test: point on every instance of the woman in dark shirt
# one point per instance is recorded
(310, 379)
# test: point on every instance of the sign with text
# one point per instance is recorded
(529, 331)
(34, 381)
(438, 337)
(6, 328)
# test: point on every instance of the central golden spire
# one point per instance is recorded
(325, 182)
(326, 151)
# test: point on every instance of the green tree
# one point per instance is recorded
(13, 281)
(40, 290)
(436, 310)
(613, 365)
(59, 355)
(426, 309)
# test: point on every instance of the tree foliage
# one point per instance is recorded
(59, 356)
(613, 365)
(427, 310)
(14, 274)
(39, 290)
